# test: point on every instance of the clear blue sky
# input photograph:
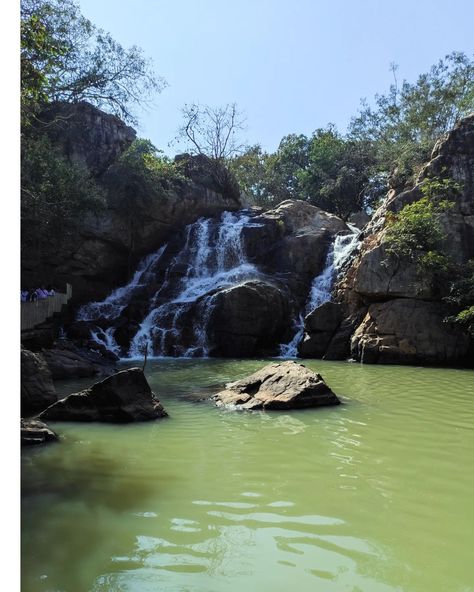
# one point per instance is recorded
(291, 66)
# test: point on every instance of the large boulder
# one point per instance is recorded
(292, 240)
(320, 325)
(34, 432)
(408, 331)
(121, 398)
(284, 385)
(37, 389)
(247, 319)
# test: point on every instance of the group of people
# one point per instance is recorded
(33, 294)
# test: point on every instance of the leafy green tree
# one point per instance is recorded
(64, 57)
(404, 124)
(417, 233)
(55, 196)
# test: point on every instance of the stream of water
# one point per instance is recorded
(374, 495)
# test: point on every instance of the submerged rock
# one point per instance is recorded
(121, 398)
(37, 389)
(35, 432)
(285, 385)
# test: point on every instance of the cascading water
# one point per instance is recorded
(178, 312)
(320, 292)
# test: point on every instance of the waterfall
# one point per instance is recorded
(321, 287)
(178, 312)
(112, 306)
(215, 259)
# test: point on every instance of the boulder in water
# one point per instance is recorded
(35, 432)
(285, 385)
(247, 319)
(121, 398)
(37, 389)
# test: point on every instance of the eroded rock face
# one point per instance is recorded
(87, 135)
(34, 432)
(284, 385)
(408, 331)
(397, 310)
(247, 319)
(121, 398)
(37, 389)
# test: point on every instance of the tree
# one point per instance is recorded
(212, 131)
(64, 57)
(404, 124)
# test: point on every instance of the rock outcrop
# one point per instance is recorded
(86, 135)
(291, 242)
(34, 432)
(408, 331)
(280, 386)
(37, 389)
(121, 398)
(393, 311)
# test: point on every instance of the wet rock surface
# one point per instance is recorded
(34, 432)
(282, 386)
(121, 398)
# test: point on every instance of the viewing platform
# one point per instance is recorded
(35, 313)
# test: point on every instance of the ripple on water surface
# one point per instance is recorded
(373, 495)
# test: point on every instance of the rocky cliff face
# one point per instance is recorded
(395, 313)
(107, 248)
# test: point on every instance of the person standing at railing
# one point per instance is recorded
(51, 291)
(42, 293)
(24, 295)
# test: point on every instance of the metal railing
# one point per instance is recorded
(35, 313)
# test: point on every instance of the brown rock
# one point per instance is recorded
(121, 398)
(284, 385)
(408, 331)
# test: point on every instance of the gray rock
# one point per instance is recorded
(284, 385)
(68, 361)
(248, 319)
(34, 432)
(37, 389)
(121, 398)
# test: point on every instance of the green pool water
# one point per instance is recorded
(374, 495)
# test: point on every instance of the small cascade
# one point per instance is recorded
(177, 313)
(112, 306)
(321, 287)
